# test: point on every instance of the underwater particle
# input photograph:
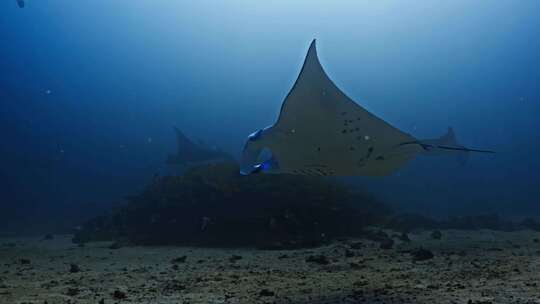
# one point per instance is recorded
(149, 140)
(522, 98)
(366, 137)
(48, 92)
(20, 3)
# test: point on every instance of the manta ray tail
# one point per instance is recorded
(449, 142)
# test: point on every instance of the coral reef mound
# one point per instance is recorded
(212, 205)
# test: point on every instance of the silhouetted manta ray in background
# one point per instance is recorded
(321, 131)
(20, 3)
(189, 153)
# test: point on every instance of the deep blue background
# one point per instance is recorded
(89, 91)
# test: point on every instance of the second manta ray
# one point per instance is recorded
(321, 131)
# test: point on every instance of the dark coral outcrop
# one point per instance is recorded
(213, 205)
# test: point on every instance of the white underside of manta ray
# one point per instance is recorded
(321, 131)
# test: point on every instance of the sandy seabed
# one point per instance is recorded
(467, 267)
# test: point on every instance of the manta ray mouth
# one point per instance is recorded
(248, 161)
(257, 160)
(255, 156)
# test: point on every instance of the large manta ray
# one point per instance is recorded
(321, 131)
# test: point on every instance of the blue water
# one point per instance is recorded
(90, 90)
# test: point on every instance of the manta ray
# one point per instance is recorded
(190, 153)
(320, 131)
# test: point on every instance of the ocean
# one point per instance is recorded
(92, 92)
